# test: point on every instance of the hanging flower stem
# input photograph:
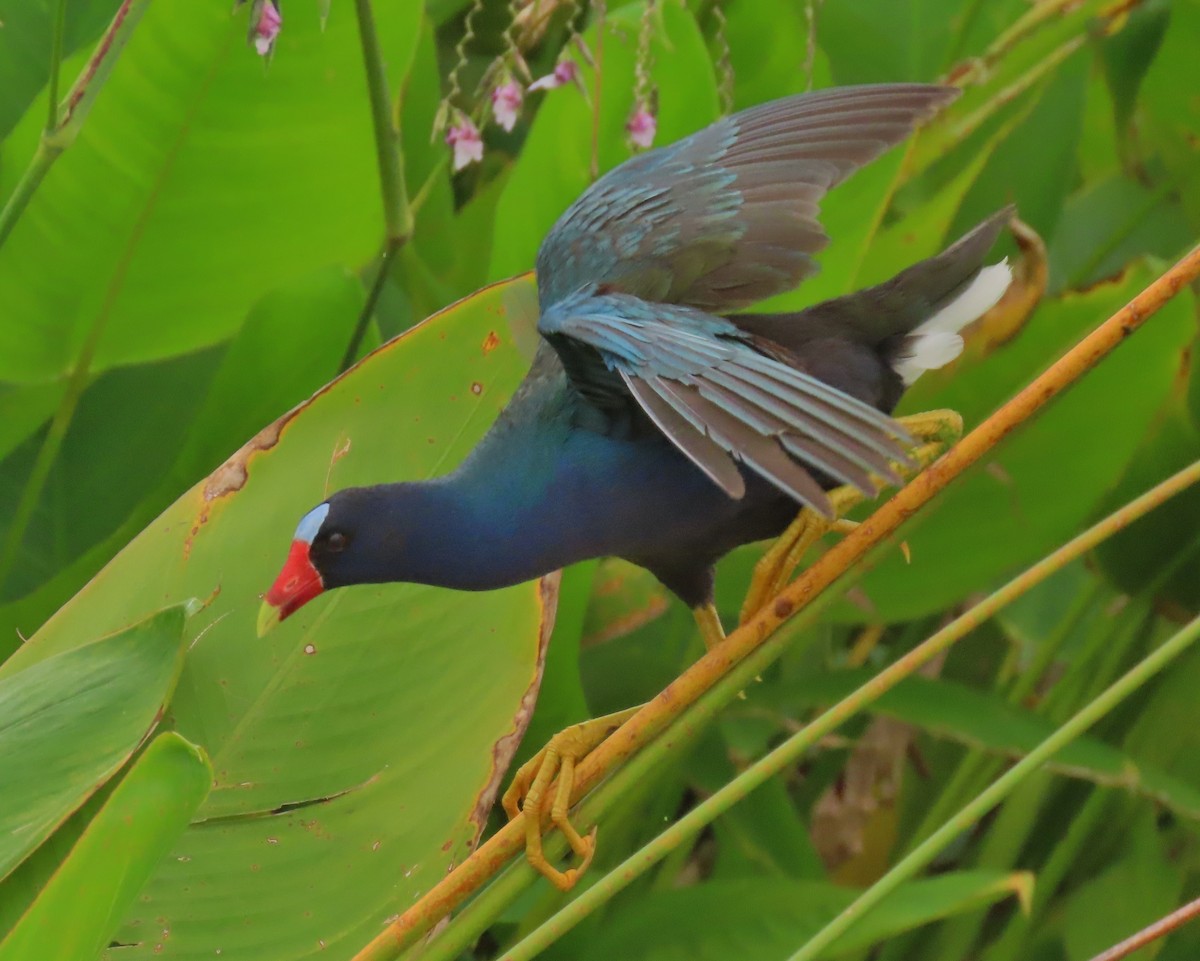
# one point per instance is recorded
(397, 214)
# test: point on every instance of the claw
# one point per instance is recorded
(530, 788)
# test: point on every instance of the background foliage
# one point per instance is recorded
(193, 265)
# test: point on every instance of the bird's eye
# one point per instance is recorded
(337, 542)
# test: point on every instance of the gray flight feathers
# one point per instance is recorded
(631, 276)
(718, 399)
(728, 216)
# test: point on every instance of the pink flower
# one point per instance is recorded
(642, 127)
(468, 145)
(565, 72)
(506, 103)
(266, 22)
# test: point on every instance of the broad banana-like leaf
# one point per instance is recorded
(68, 722)
(357, 748)
(77, 912)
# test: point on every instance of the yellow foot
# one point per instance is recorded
(530, 789)
(943, 427)
(937, 429)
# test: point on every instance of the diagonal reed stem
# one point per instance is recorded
(924, 853)
(788, 753)
(654, 717)
(1151, 933)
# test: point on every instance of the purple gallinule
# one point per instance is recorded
(655, 424)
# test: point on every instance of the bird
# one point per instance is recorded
(659, 422)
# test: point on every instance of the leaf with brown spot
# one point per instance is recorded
(397, 707)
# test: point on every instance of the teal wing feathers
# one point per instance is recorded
(718, 398)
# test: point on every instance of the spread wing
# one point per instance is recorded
(728, 216)
(718, 399)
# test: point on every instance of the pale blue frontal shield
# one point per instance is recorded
(310, 523)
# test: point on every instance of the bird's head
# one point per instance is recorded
(322, 539)
(422, 532)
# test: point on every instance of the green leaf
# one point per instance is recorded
(1024, 46)
(23, 410)
(1166, 543)
(25, 41)
(764, 71)
(1110, 223)
(200, 181)
(1050, 133)
(356, 750)
(290, 344)
(851, 216)
(118, 851)
(1102, 912)
(1164, 734)
(69, 721)
(1171, 113)
(124, 438)
(986, 720)
(766, 919)
(764, 834)
(881, 41)
(1129, 54)
(561, 701)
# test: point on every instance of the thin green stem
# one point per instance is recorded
(41, 467)
(1011, 943)
(423, 192)
(53, 143)
(1024, 683)
(31, 179)
(397, 214)
(56, 53)
(977, 769)
(923, 855)
(397, 217)
(368, 309)
(78, 102)
(794, 748)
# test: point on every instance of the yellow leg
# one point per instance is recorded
(709, 622)
(774, 569)
(530, 789)
(937, 428)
